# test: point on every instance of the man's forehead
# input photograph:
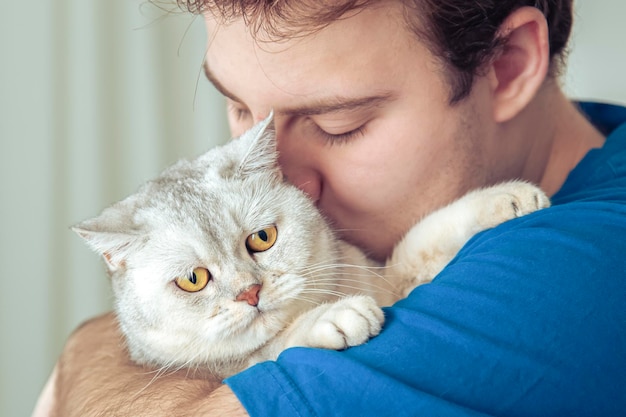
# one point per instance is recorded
(331, 103)
(346, 66)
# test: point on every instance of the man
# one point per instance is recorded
(386, 110)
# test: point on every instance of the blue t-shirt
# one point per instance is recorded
(528, 320)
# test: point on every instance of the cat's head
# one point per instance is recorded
(212, 258)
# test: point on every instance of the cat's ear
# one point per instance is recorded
(112, 234)
(262, 154)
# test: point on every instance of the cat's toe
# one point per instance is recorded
(541, 200)
(527, 198)
(516, 199)
(350, 322)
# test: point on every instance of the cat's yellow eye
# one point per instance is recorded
(194, 282)
(262, 240)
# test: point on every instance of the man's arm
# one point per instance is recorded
(222, 402)
(525, 321)
(96, 377)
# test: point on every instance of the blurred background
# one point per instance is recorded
(97, 96)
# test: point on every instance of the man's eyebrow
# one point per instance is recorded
(218, 86)
(340, 103)
(323, 106)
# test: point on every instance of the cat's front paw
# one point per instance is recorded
(348, 322)
(513, 199)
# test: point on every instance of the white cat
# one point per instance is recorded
(218, 263)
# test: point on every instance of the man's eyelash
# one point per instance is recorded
(241, 115)
(341, 138)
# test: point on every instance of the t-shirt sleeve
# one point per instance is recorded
(529, 319)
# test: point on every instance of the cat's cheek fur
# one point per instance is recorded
(202, 330)
(190, 340)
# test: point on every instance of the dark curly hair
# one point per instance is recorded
(463, 34)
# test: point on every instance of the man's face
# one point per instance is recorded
(362, 120)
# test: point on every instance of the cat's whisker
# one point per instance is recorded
(326, 264)
(158, 373)
(338, 258)
(299, 297)
(323, 291)
(344, 268)
(170, 368)
(341, 276)
(346, 273)
(363, 286)
(329, 277)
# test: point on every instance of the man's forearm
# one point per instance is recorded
(96, 377)
(222, 402)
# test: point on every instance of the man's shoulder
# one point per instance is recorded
(606, 117)
(601, 174)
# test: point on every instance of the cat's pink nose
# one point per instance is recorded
(250, 295)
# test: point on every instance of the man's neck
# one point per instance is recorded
(561, 142)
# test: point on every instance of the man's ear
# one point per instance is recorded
(517, 73)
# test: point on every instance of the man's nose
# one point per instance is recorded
(298, 163)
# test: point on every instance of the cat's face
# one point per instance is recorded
(213, 258)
